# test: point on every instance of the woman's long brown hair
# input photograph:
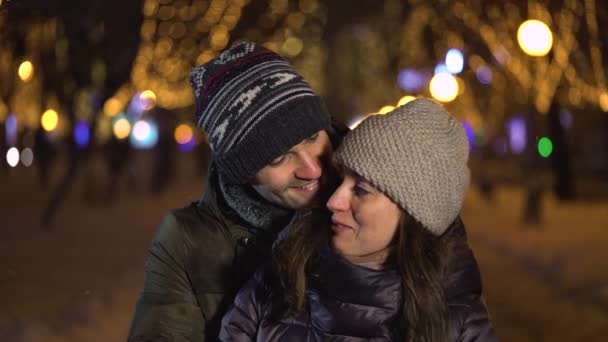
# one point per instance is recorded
(419, 256)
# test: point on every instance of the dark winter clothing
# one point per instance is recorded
(346, 302)
(199, 259)
(203, 254)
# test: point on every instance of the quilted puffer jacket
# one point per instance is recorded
(346, 302)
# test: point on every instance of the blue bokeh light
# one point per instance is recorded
(10, 126)
(82, 134)
(484, 75)
(189, 146)
(441, 68)
(470, 133)
(410, 80)
(144, 134)
(518, 136)
(454, 61)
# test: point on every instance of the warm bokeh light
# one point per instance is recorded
(604, 102)
(49, 120)
(405, 99)
(545, 147)
(121, 128)
(112, 107)
(385, 109)
(444, 87)
(26, 71)
(292, 46)
(534, 38)
(148, 99)
(219, 37)
(12, 156)
(27, 157)
(3, 111)
(183, 134)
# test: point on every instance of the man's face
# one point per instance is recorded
(294, 179)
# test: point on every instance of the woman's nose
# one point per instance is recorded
(339, 199)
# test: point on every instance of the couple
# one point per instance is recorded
(379, 254)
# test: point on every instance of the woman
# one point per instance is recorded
(374, 267)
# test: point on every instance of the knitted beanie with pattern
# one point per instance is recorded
(417, 155)
(253, 106)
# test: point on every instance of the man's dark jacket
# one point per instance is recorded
(199, 259)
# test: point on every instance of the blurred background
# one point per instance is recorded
(97, 140)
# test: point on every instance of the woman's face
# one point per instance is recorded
(364, 220)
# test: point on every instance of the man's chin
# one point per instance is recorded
(305, 203)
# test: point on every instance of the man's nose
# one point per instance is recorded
(310, 167)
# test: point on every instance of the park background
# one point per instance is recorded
(97, 140)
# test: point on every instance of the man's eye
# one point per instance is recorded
(278, 160)
(313, 138)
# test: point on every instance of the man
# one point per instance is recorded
(271, 139)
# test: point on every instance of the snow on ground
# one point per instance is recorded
(80, 280)
(547, 282)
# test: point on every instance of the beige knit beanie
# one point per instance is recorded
(417, 155)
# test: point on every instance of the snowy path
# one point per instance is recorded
(80, 281)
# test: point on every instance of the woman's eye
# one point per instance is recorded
(360, 191)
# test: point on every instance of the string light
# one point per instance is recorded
(26, 71)
(183, 134)
(444, 87)
(49, 120)
(545, 147)
(12, 156)
(535, 38)
(121, 127)
(27, 157)
(404, 100)
(385, 110)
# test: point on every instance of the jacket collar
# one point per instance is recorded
(341, 280)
